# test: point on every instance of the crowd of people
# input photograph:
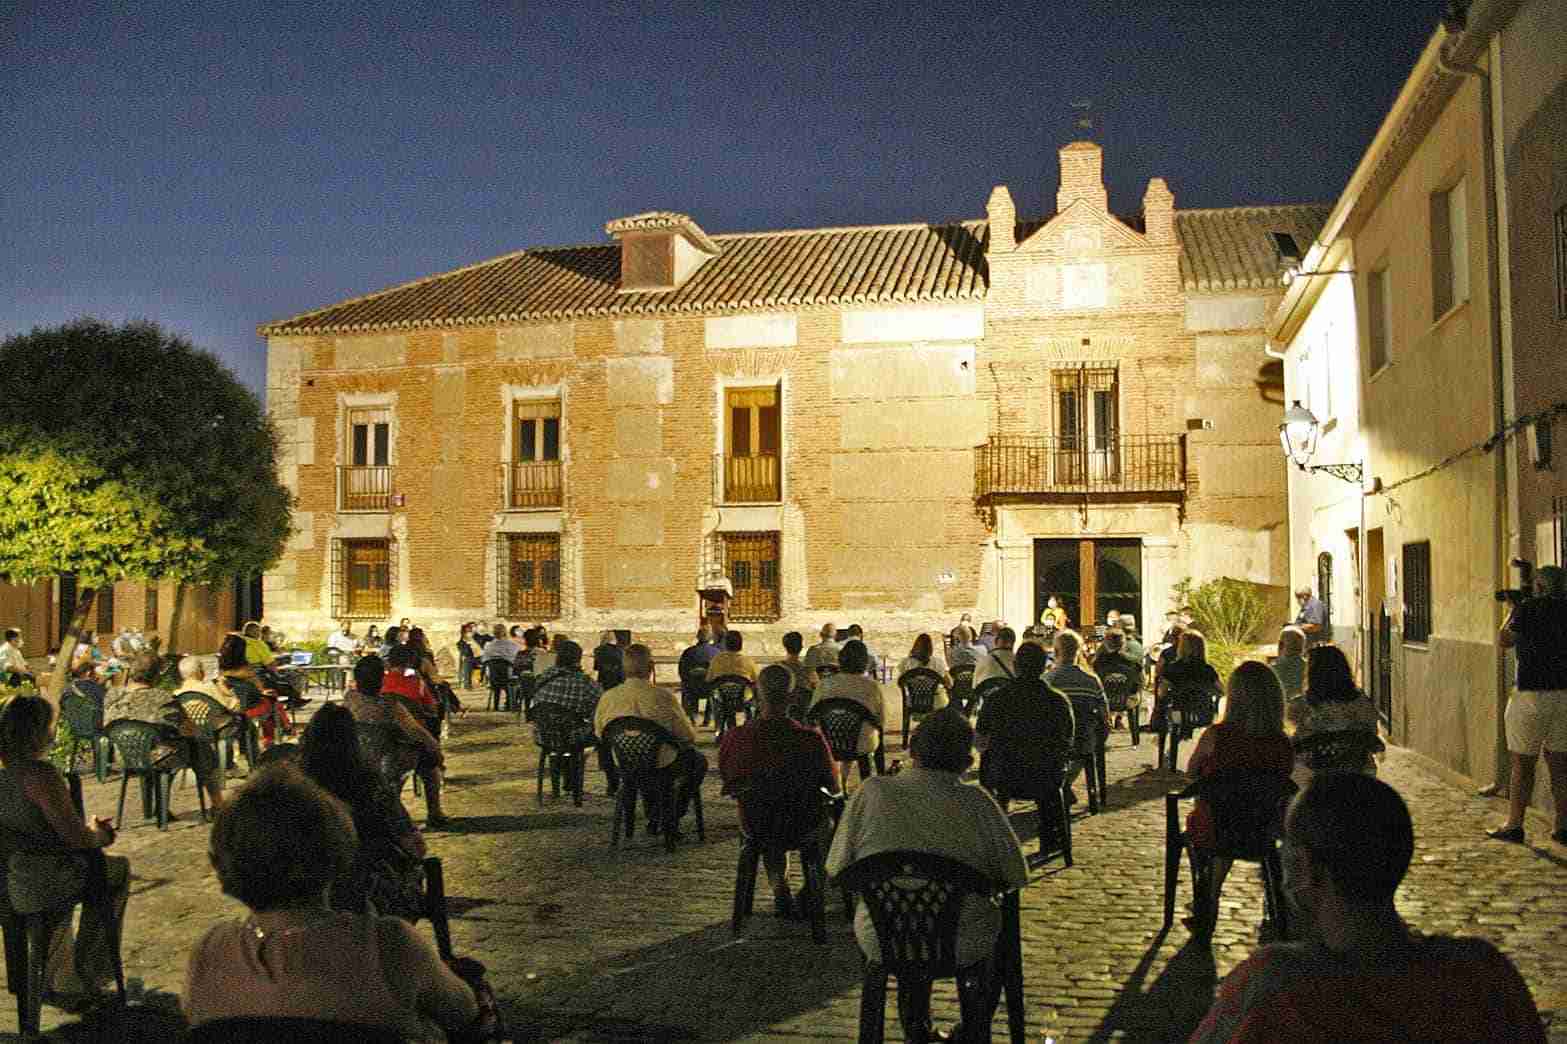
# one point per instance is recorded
(344, 879)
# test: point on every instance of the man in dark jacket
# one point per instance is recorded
(1024, 735)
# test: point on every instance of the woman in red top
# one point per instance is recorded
(1249, 738)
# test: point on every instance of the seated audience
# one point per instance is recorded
(1360, 972)
(501, 647)
(776, 757)
(567, 685)
(1187, 683)
(342, 641)
(1290, 667)
(698, 654)
(193, 678)
(257, 652)
(805, 679)
(1333, 704)
(386, 872)
(1132, 646)
(1086, 693)
(295, 957)
(49, 865)
(872, 661)
(1025, 730)
(142, 699)
(997, 663)
(608, 661)
(13, 665)
(930, 809)
(964, 651)
(826, 650)
(638, 697)
(440, 690)
(1119, 673)
(394, 638)
(420, 749)
(238, 678)
(924, 654)
(1248, 738)
(851, 683)
(732, 660)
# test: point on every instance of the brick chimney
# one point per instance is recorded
(1082, 176)
(1003, 221)
(1159, 212)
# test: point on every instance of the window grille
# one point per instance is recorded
(363, 577)
(527, 576)
(751, 563)
(1325, 583)
(1417, 592)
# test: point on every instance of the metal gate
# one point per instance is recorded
(1383, 668)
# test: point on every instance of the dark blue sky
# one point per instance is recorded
(219, 164)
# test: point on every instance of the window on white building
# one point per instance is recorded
(1449, 248)
(1378, 320)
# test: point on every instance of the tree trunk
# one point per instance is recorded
(86, 602)
(172, 646)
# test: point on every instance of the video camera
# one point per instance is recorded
(1517, 595)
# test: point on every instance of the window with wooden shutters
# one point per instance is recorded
(366, 478)
(1417, 592)
(528, 575)
(753, 437)
(1378, 320)
(1087, 424)
(150, 609)
(362, 579)
(534, 475)
(751, 563)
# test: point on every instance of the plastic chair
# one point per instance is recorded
(220, 728)
(1089, 744)
(1121, 687)
(82, 710)
(497, 675)
(1248, 819)
(840, 720)
(1343, 750)
(984, 689)
(562, 736)
(1185, 713)
(1048, 791)
(732, 693)
(693, 688)
(780, 816)
(27, 936)
(270, 1030)
(914, 899)
(136, 741)
(919, 686)
(963, 686)
(520, 694)
(636, 742)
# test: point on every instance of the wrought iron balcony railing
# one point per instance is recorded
(748, 480)
(1041, 464)
(364, 488)
(532, 484)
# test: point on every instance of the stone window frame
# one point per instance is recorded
(722, 386)
(511, 395)
(347, 404)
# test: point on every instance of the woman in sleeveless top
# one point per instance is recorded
(294, 957)
(47, 866)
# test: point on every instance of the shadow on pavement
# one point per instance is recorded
(706, 983)
(1171, 1008)
(503, 824)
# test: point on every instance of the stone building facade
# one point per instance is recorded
(891, 425)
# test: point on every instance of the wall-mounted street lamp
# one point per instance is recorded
(1299, 435)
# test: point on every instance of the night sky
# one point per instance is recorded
(216, 165)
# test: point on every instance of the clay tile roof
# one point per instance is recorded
(1230, 249)
(664, 221)
(1225, 249)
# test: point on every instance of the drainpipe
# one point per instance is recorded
(1507, 542)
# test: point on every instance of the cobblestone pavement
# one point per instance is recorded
(585, 943)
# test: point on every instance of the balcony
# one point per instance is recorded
(531, 485)
(364, 488)
(748, 480)
(1030, 465)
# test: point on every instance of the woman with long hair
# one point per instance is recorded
(238, 678)
(386, 870)
(1334, 704)
(926, 653)
(1249, 738)
(1184, 683)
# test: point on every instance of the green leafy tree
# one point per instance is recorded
(126, 453)
(1230, 613)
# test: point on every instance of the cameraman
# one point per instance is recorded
(1537, 713)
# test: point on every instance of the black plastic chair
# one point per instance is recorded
(693, 689)
(914, 900)
(27, 936)
(520, 694)
(782, 816)
(963, 686)
(1048, 791)
(1089, 744)
(497, 674)
(1183, 714)
(983, 690)
(1248, 819)
(563, 737)
(840, 720)
(220, 728)
(1343, 750)
(636, 743)
(730, 694)
(82, 709)
(919, 686)
(136, 742)
(1121, 689)
(826, 670)
(297, 1031)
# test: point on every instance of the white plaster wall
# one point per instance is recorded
(880, 325)
(643, 380)
(904, 372)
(773, 330)
(535, 341)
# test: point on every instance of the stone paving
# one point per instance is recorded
(585, 943)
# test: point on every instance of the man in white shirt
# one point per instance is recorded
(343, 641)
(930, 809)
(501, 647)
(998, 662)
(825, 651)
(12, 662)
(638, 697)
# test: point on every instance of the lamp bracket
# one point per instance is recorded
(1353, 473)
